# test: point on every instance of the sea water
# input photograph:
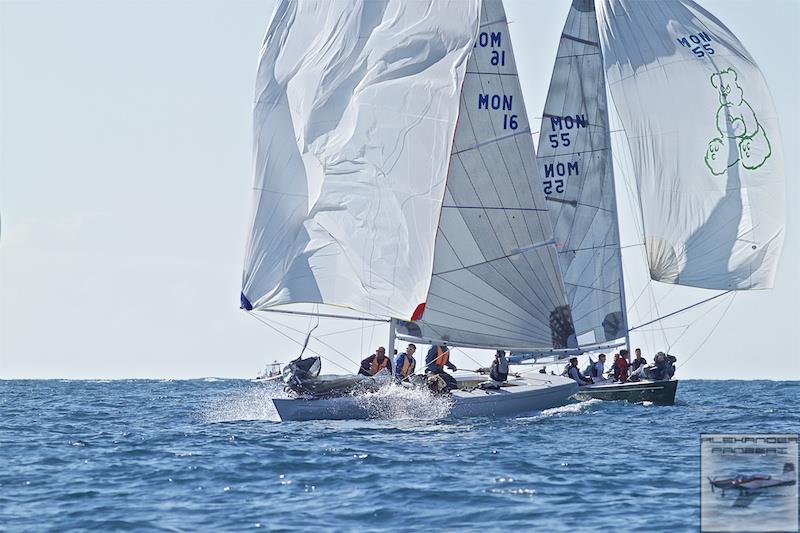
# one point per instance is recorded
(208, 455)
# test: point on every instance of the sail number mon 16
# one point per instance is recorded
(501, 102)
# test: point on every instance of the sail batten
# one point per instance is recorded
(495, 280)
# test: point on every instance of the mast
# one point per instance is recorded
(390, 347)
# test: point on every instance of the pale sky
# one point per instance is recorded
(126, 183)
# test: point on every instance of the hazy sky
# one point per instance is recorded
(125, 189)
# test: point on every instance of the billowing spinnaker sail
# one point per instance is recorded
(495, 281)
(356, 105)
(704, 140)
(576, 168)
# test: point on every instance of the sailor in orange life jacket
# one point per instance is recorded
(439, 357)
(375, 363)
(406, 364)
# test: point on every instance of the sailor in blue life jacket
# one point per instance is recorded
(598, 368)
(406, 364)
(498, 372)
(437, 359)
(375, 363)
(575, 374)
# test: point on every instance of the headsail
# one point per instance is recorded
(496, 281)
(575, 164)
(356, 105)
(704, 140)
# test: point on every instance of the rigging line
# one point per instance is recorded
(682, 310)
(562, 251)
(670, 327)
(296, 341)
(688, 326)
(469, 357)
(321, 342)
(710, 332)
(457, 348)
(633, 305)
(350, 330)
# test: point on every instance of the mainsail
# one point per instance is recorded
(356, 105)
(496, 281)
(704, 141)
(577, 174)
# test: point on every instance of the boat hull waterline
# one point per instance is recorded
(657, 392)
(522, 396)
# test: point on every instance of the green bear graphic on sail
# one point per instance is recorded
(737, 123)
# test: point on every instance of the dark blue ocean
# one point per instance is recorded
(204, 455)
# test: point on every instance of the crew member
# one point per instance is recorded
(638, 361)
(498, 372)
(406, 364)
(375, 363)
(620, 367)
(599, 367)
(437, 359)
(575, 374)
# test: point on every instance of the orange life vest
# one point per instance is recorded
(406, 368)
(442, 357)
(376, 366)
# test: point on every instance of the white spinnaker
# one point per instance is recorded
(356, 105)
(704, 140)
(496, 282)
(575, 164)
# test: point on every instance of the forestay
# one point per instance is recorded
(496, 281)
(704, 140)
(356, 105)
(576, 168)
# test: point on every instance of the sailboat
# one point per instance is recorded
(395, 176)
(701, 132)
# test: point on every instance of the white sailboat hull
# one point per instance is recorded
(525, 395)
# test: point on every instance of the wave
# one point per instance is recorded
(396, 402)
(250, 403)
